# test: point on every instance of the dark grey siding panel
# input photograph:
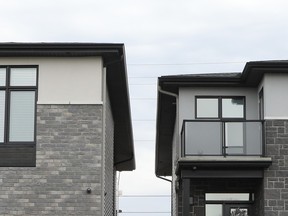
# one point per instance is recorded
(18, 157)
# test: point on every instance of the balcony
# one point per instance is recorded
(222, 138)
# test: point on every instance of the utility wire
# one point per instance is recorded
(143, 119)
(144, 212)
(143, 84)
(143, 98)
(142, 140)
(145, 195)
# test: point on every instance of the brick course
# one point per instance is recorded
(69, 154)
(276, 176)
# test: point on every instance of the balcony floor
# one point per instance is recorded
(222, 167)
(214, 163)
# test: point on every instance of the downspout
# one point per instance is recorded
(177, 130)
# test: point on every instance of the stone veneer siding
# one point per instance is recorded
(276, 177)
(68, 162)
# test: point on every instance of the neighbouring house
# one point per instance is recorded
(223, 137)
(65, 128)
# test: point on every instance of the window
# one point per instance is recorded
(207, 108)
(18, 87)
(261, 104)
(228, 204)
(220, 107)
(231, 111)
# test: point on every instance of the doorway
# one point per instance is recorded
(228, 204)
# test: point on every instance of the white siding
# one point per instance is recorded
(275, 87)
(63, 80)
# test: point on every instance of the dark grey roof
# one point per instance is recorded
(205, 75)
(113, 56)
(166, 110)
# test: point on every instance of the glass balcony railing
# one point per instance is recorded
(222, 138)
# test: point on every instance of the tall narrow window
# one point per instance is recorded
(22, 116)
(17, 104)
(261, 105)
(2, 102)
(2, 115)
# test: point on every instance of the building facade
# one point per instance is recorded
(223, 139)
(65, 128)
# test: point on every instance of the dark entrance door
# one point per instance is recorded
(237, 210)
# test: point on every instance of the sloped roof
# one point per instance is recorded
(206, 75)
(166, 110)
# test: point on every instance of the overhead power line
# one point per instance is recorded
(139, 195)
(143, 84)
(148, 212)
(143, 119)
(143, 98)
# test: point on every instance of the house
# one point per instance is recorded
(65, 128)
(223, 137)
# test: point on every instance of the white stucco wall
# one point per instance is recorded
(187, 100)
(63, 80)
(275, 88)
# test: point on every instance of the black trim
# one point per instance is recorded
(222, 173)
(18, 153)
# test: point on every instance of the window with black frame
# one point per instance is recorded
(225, 107)
(230, 110)
(18, 90)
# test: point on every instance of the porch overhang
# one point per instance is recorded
(222, 167)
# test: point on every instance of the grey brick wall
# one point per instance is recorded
(276, 177)
(68, 162)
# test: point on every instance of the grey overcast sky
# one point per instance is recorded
(161, 38)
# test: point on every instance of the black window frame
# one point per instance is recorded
(18, 153)
(220, 117)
